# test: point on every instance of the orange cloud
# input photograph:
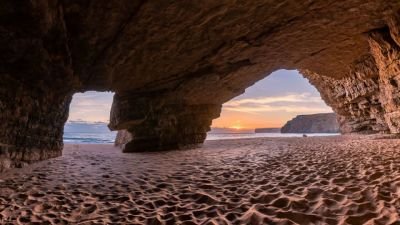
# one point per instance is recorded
(268, 111)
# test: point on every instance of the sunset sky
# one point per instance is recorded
(269, 103)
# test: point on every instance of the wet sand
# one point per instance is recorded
(315, 180)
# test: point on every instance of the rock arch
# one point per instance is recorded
(173, 63)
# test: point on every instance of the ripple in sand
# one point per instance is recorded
(262, 181)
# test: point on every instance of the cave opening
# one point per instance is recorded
(88, 119)
(269, 104)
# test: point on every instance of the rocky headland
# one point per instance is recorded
(314, 123)
(267, 130)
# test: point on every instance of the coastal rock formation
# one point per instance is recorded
(123, 137)
(314, 123)
(368, 98)
(32, 122)
(172, 64)
(267, 130)
(355, 98)
(154, 126)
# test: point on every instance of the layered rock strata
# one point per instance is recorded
(174, 63)
(314, 123)
(368, 98)
(355, 99)
(156, 125)
(32, 122)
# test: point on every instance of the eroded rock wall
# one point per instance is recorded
(32, 122)
(313, 123)
(155, 125)
(36, 81)
(355, 98)
(368, 98)
(386, 52)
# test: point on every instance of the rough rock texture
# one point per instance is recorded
(314, 123)
(159, 127)
(123, 137)
(178, 61)
(32, 122)
(368, 98)
(355, 98)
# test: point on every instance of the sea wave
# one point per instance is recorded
(89, 138)
(109, 137)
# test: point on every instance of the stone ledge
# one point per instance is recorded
(20, 158)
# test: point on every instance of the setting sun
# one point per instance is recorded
(236, 127)
(271, 102)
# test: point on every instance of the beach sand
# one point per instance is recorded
(314, 180)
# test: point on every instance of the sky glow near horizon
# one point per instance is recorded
(91, 106)
(269, 103)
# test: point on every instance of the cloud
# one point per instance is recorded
(303, 97)
(302, 103)
(91, 106)
(79, 121)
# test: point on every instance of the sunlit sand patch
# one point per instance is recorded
(335, 180)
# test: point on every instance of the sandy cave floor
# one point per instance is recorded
(315, 180)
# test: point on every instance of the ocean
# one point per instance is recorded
(88, 133)
(98, 133)
(216, 136)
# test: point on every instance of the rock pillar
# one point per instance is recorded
(36, 81)
(152, 125)
(32, 122)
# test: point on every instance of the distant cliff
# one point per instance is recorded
(267, 130)
(315, 123)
